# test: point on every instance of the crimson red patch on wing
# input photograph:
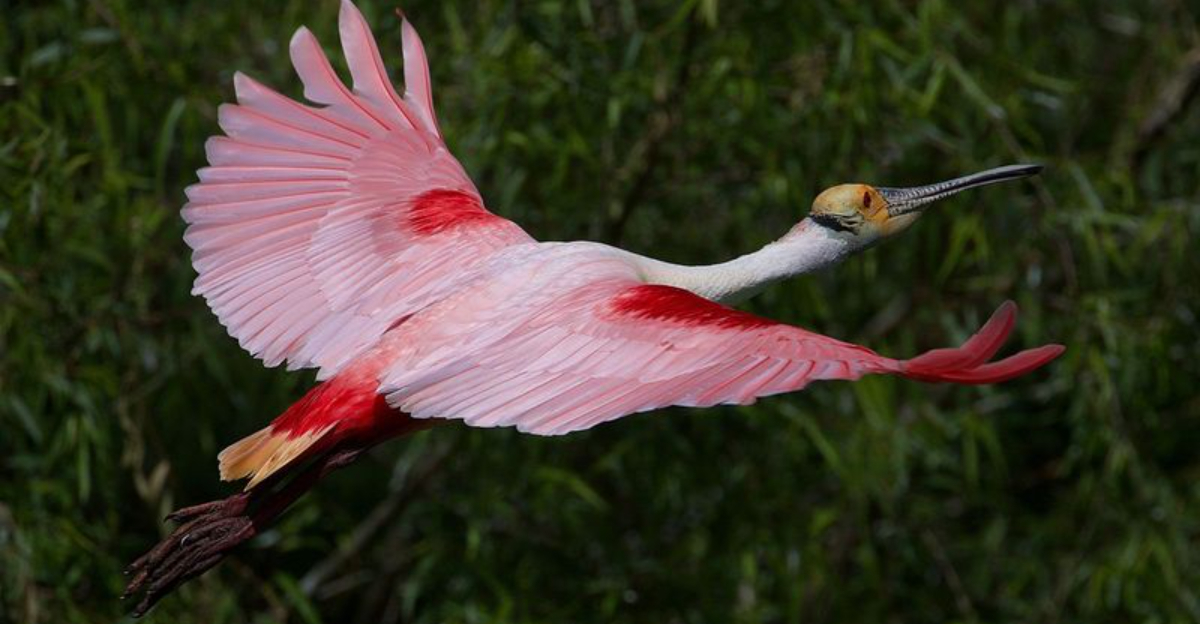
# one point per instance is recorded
(436, 211)
(667, 303)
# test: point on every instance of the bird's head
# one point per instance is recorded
(864, 214)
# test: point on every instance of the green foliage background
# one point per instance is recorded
(692, 131)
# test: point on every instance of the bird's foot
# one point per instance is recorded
(208, 531)
(205, 534)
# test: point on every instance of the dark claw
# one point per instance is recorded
(226, 506)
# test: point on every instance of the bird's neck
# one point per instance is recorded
(807, 247)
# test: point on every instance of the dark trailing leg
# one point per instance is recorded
(207, 532)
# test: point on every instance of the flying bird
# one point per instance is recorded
(343, 236)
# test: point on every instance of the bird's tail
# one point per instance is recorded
(262, 453)
(326, 430)
(346, 406)
(969, 364)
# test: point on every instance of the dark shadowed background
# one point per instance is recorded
(692, 131)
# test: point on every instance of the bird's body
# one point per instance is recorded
(345, 237)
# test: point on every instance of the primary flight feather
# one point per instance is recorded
(343, 235)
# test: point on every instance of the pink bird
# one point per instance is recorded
(344, 236)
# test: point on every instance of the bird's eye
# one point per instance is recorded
(866, 199)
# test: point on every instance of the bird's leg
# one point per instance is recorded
(207, 532)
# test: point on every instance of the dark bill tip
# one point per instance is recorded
(1025, 170)
(903, 200)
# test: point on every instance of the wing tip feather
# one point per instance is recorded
(303, 36)
(968, 364)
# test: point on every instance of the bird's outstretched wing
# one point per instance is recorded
(597, 350)
(317, 227)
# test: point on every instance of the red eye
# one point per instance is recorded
(866, 199)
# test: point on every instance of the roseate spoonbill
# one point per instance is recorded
(344, 236)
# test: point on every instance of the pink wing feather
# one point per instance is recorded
(573, 339)
(317, 228)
